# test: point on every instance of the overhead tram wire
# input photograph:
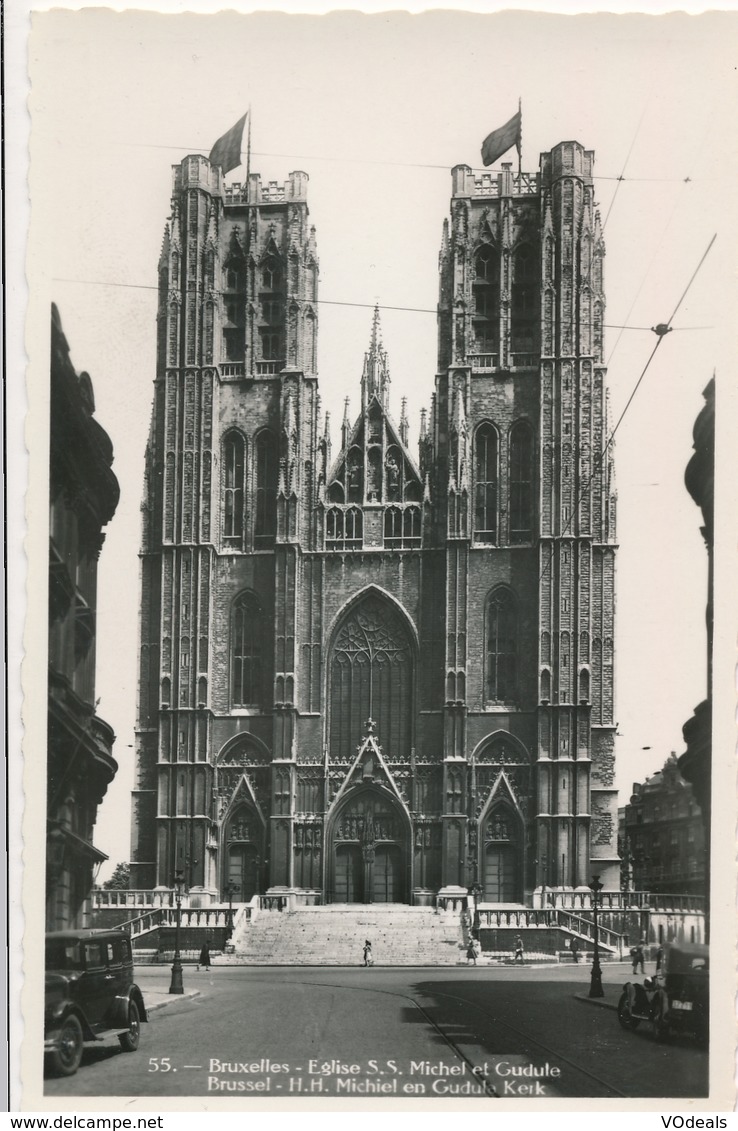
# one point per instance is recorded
(336, 302)
(391, 164)
(661, 330)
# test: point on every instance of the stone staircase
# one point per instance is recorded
(334, 935)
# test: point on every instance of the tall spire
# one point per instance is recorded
(375, 378)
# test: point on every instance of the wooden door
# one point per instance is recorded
(243, 871)
(500, 884)
(387, 878)
(348, 886)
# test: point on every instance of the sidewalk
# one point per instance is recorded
(156, 992)
(614, 977)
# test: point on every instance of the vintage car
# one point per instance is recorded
(90, 993)
(677, 999)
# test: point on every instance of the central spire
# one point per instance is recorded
(375, 379)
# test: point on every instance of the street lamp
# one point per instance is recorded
(175, 986)
(230, 892)
(595, 985)
(475, 891)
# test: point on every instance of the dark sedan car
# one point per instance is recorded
(90, 993)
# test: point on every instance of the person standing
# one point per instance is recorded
(368, 956)
(205, 955)
(659, 958)
(575, 949)
(471, 953)
(518, 948)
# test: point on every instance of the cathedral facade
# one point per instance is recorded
(376, 675)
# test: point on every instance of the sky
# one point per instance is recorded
(377, 109)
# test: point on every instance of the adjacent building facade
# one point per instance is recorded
(83, 495)
(664, 835)
(379, 674)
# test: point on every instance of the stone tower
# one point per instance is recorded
(377, 677)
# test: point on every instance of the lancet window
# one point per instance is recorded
(234, 465)
(521, 482)
(502, 647)
(265, 518)
(371, 676)
(247, 667)
(485, 484)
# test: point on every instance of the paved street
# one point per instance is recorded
(336, 1031)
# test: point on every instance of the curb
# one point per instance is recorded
(172, 1000)
(598, 1001)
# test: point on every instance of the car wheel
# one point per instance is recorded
(65, 1058)
(625, 1017)
(129, 1040)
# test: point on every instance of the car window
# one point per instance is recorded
(63, 955)
(95, 956)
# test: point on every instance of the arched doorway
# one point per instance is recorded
(369, 850)
(243, 854)
(501, 860)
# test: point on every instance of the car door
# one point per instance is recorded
(95, 983)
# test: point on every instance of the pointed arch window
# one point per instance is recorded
(485, 484)
(271, 273)
(234, 496)
(247, 667)
(371, 676)
(265, 517)
(502, 648)
(486, 297)
(524, 301)
(521, 483)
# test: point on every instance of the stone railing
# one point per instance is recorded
(207, 917)
(272, 902)
(132, 897)
(231, 369)
(484, 360)
(581, 900)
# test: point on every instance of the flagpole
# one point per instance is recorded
(248, 159)
(520, 137)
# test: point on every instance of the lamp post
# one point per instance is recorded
(476, 891)
(229, 892)
(175, 986)
(595, 985)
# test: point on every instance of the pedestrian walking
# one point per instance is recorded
(659, 959)
(204, 955)
(575, 950)
(518, 948)
(471, 953)
(368, 956)
(636, 954)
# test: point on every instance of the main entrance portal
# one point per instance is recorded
(369, 854)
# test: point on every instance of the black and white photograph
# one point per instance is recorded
(381, 497)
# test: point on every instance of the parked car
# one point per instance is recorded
(677, 999)
(90, 993)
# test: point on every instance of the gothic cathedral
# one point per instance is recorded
(379, 675)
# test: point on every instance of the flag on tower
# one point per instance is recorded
(499, 141)
(227, 150)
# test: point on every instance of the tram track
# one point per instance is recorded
(466, 1003)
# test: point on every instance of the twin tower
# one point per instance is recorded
(379, 674)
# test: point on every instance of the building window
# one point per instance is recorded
(271, 346)
(524, 300)
(402, 528)
(485, 485)
(265, 518)
(271, 274)
(502, 648)
(234, 464)
(234, 275)
(247, 675)
(371, 677)
(344, 528)
(521, 482)
(486, 295)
